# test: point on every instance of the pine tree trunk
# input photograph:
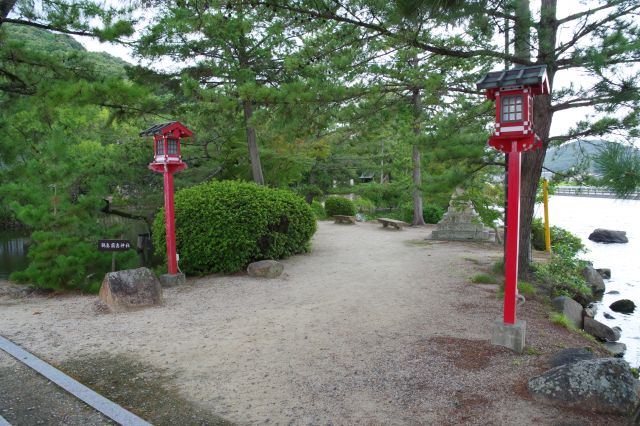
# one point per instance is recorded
(5, 8)
(418, 218)
(542, 117)
(254, 154)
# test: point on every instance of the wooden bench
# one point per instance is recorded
(398, 224)
(339, 218)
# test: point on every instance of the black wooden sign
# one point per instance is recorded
(114, 245)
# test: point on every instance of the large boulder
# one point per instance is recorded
(593, 279)
(130, 289)
(601, 331)
(570, 308)
(265, 269)
(625, 306)
(603, 385)
(608, 236)
(604, 273)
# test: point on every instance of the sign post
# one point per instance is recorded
(513, 92)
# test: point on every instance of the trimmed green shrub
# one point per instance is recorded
(339, 206)
(318, 210)
(223, 226)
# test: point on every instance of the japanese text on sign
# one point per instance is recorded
(114, 245)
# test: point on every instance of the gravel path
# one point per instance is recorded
(374, 326)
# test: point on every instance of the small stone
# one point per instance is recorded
(569, 308)
(593, 279)
(591, 310)
(608, 236)
(600, 330)
(616, 349)
(608, 315)
(265, 269)
(624, 306)
(613, 292)
(130, 289)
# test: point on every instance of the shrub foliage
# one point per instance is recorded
(223, 226)
(339, 206)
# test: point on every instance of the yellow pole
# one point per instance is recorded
(547, 232)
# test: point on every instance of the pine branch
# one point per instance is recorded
(382, 30)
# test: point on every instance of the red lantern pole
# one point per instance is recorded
(172, 263)
(513, 236)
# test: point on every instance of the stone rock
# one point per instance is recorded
(130, 289)
(600, 330)
(607, 315)
(593, 279)
(569, 356)
(616, 349)
(603, 385)
(570, 308)
(461, 222)
(613, 292)
(608, 236)
(604, 273)
(625, 306)
(591, 310)
(265, 269)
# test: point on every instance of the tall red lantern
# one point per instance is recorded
(513, 91)
(167, 159)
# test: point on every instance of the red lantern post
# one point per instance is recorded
(513, 91)
(168, 160)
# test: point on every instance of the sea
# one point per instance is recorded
(581, 216)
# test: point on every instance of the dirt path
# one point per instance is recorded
(373, 327)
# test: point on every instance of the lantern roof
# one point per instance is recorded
(522, 76)
(166, 128)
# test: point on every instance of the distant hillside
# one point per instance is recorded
(62, 45)
(577, 154)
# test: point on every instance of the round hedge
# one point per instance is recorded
(224, 226)
(339, 206)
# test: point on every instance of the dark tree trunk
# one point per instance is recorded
(418, 218)
(254, 154)
(5, 8)
(542, 117)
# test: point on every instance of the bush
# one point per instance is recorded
(318, 210)
(339, 206)
(223, 226)
(559, 238)
(432, 213)
(364, 205)
(563, 276)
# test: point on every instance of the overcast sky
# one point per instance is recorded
(562, 120)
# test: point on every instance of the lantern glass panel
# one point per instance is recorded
(512, 108)
(159, 147)
(172, 147)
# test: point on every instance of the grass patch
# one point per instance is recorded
(526, 288)
(484, 279)
(533, 351)
(561, 319)
(498, 267)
